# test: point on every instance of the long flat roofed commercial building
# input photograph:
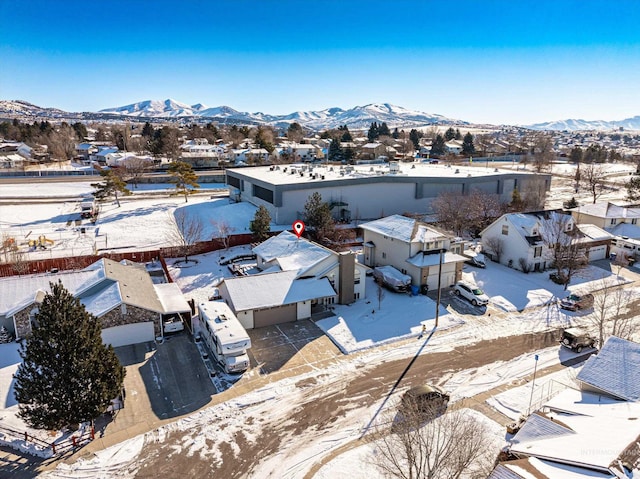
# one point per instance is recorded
(363, 192)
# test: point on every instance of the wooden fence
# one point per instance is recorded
(58, 447)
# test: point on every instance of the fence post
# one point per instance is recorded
(26, 437)
(73, 440)
(93, 432)
(53, 447)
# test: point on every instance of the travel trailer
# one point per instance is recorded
(225, 337)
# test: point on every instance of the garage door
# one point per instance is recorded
(280, 314)
(128, 334)
(597, 252)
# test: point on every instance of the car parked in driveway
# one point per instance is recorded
(574, 302)
(472, 293)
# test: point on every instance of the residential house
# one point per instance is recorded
(454, 147)
(85, 150)
(302, 151)
(372, 151)
(100, 156)
(521, 240)
(297, 277)
(240, 156)
(131, 307)
(198, 152)
(415, 249)
(622, 222)
(606, 215)
(588, 432)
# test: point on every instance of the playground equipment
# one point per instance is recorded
(9, 244)
(41, 242)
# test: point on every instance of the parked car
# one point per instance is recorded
(475, 259)
(392, 279)
(574, 302)
(472, 293)
(577, 339)
(428, 401)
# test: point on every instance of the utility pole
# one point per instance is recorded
(533, 383)
(439, 282)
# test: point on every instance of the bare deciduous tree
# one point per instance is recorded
(613, 314)
(543, 153)
(451, 446)
(564, 248)
(592, 178)
(451, 211)
(223, 230)
(184, 232)
(134, 168)
(494, 245)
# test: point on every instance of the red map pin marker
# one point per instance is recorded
(298, 228)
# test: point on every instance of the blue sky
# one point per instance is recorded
(515, 62)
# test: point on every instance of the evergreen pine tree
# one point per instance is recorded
(395, 134)
(317, 216)
(261, 224)
(335, 151)
(383, 130)
(569, 204)
(450, 134)
(467, 145)
(67, 375)
(458, 134)
(111, 185)
(414, 136)
(516, 201)
(346, 134)
(373, 132)
(147, 130)
(438, 146)
(185, 179)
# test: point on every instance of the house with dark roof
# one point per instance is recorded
(132, 309)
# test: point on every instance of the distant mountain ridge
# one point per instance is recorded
(357, 117)
(581, 125)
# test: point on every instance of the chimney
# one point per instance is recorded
(346, 272)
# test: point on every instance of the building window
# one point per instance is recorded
(613, 221)
(634, 221)
(505, 230)
(384, 255)
(537, 251)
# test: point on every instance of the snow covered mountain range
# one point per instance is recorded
(357, 117)
(580, 125)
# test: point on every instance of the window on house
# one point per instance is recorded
(384, 255)
(505, 230)
(613, 221)
(634, 221)
(569, 226)
(537, 251)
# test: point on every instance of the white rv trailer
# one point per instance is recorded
(224, 336)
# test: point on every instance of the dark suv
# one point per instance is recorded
(577, 339)
(427, 400)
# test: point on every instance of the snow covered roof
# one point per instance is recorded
(422, 260)
(18, 292)
(402, 228)
(171, 298)
(594, 233)
(274, 289)
(136, 286)
(524, 221)
(534, 468)
(592, 432)
(291, 253)
(628, 230)
(103, 300)
(615, 370)
(607, 210)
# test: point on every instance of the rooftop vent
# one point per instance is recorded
(457, 171)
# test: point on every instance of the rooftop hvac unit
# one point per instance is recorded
(457, 171)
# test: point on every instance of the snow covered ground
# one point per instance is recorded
(364, 326)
